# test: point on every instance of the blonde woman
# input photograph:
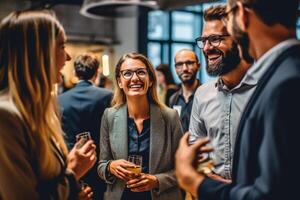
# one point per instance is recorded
(138, 124)
(34, 160)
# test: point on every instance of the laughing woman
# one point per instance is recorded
(138, 124)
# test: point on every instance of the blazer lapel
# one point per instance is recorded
(119, 139)
(157, 137)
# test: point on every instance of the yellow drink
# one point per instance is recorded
(135, 169)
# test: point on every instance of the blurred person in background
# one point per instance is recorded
(187, 66)
(138, 124)
(35, 162)
(82, 108)
(166, 84)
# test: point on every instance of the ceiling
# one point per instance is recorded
(78, 27)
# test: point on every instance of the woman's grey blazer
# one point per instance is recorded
(165, 133)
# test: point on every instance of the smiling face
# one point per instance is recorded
(223, 58)
(134, 78)
(187, 66)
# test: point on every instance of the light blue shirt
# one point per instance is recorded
(216, 110)
(216, 113)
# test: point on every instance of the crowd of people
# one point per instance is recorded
(244, 121)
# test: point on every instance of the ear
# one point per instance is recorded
(119, 83)
(242, 16)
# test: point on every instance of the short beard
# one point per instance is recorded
(230, 61)
(242, 39)
(189, 81)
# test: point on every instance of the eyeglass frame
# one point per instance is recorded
(134, 72)
(204, 39)
(188, 63)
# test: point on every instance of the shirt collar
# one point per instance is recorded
(263, 63)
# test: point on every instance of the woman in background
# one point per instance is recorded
(138, 124)
(166, 83)
(34, 160)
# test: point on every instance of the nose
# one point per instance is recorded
(134, 76)
(184, 67)
(207, 46)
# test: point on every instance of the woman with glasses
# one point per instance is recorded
(34, 160)
(138, 124)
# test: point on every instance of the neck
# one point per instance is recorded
(138, 107)
(188, 90)
(234, 77)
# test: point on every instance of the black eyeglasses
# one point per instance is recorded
(188, 63)
(128, 74)
(213, 40)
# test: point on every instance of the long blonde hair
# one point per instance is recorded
(119, 98)
(28, 72)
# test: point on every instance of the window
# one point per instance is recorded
(170, 31)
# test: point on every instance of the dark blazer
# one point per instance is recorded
(165, 133)
(82, 109)
(266, 160)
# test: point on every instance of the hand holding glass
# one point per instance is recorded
(137, 161)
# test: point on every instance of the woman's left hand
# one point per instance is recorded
(142, 183)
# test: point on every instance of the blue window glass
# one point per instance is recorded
(154, 51)
(158, 21)
(186, 26)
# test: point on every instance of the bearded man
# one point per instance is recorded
(218, 104)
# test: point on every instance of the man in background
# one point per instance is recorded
(187, 66)
(82, 108)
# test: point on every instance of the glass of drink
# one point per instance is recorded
(137, 161)
(207, 165)
(82, 138)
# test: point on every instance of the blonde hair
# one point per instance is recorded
(119, 98)
(28, 71)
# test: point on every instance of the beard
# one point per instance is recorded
(228, 61)
(190, 80)
(242, 39)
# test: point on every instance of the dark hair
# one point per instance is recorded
(273, 11)
(165, 69)
(86, 66)
(215, 13)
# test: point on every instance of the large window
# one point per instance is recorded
(171, 31)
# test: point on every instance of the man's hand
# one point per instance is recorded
(218, 178)
(186, 156)
(145, 182)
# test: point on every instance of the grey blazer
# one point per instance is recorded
(165, 133)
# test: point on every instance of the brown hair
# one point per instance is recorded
(28, 73)
(215, 13)
(86, 66)
(119, 98)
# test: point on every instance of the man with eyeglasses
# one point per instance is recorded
(266, 158)
(218, 104)
(187, 66)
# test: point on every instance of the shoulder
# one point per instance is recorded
(11, 123)
(168, 113)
